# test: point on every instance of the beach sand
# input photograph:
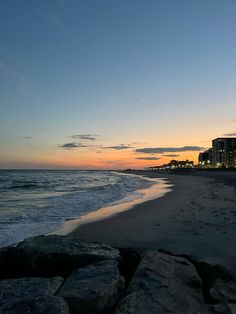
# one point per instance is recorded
(197, 217)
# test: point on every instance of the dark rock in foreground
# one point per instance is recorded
(93, 289)
(31, 295)
(96, 278)
(46, 305)
(224, 292)
(163, 284)
(55, 256)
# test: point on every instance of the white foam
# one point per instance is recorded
(44, 209)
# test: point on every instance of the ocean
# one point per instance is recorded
(34, 202)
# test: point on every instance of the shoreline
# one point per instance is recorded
(197, 218)
(157, 190)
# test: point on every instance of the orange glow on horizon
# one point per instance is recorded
(109, 159)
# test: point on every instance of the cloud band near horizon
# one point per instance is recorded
(163, 150)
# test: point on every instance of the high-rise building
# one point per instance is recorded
(205, 159)
(224, 152)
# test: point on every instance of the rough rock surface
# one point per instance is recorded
(46, 305)
(93, 289)
(224, 292)
(155, 282)
(163, 284)
(29, 287)
(54, 255)
(30, 295)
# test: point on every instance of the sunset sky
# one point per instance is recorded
(92, 84)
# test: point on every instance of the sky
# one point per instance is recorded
(110, 84)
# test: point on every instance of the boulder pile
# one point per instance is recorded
(58, 274)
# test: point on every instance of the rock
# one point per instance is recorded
(93, 289)
(223, 309)
(30, 295)
(54, 255)
(163, 284)
(224, 292)
(46, 305)
(29, 287)
(209, 274)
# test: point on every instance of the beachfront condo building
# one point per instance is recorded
(224, 152)
(221, 155)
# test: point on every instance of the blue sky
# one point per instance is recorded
(154, 73)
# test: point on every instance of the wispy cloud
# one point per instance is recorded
(21, 80)
(118, 147)
(90, 137)
(162, 150)
(29, 137)
(129, 99)
(171, 155)
(230, 134)
(58, 23)
(72, 145)
(148, 158)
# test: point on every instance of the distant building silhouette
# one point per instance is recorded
(205, 159)
(180, 164)
(221, 155)
(174, 164)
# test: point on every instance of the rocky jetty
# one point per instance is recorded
(57, 274)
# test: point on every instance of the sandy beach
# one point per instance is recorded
(197, 217)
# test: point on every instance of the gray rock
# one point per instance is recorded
(54, 255)
(41, 305)
(163, 284)
(223, 309)
(31, 287)
(93, 289)
(224, 292)
(30, 295)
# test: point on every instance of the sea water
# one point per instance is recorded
(34, 202)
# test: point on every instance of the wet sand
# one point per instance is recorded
(198, 217)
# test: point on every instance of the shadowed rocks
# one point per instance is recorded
(55, 255)
(31, 295)
(93, 289)
(163, 284)
(56, 274)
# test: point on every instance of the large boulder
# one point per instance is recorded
(93, 289)
(54, 255)
(163, 284)
(31, 295)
